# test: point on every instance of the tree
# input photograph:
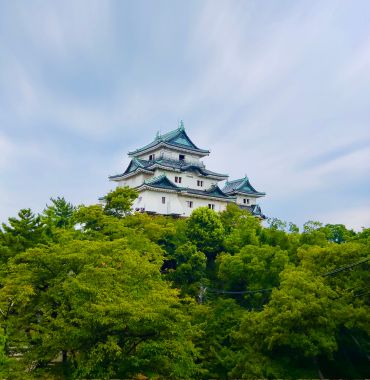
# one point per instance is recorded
(313, 234)
(106, 307)
(205, 230)
(277, 224)
(218, 320)
(253, 268)
(23, 232)
(293, 228)
(298, 322)
(58, 214)
(231, 216)
(190, 265)
(338, 233)
(245, 232)
(118, 202)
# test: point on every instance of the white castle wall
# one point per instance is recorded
(170, 155)
(239, 200)
(135, 180)
(151, 201)
(188, 179)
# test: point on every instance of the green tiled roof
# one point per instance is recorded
(214, 191)
(183, 166)
(134, 165)
(241, 186)
(161, 182)
(176, 138)
(254, 210)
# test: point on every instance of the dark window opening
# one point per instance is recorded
(163, 200)
(181, 157)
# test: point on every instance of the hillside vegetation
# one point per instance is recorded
(92, 292)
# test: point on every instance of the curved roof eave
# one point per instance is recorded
(183, 148)
(257, 194)
(129, 174)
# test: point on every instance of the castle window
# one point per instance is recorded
(178, 179)
(190, 204)
(181, 157)
(246, 200)
(151, 157)
(211, 206)
(200, 183)
(163, 200)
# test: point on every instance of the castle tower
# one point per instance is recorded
(172, 180)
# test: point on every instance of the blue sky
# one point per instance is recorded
(277, 90)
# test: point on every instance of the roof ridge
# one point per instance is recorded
(242, 183)
(154, 179)
(216, 187)
(170, 139)
(235, 180)
(137, 161)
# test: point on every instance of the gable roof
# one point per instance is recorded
(183, 166)
(161, 182)
(134, 165)
(177, 138)
(255, 210)
(242, 186)
(213, 191)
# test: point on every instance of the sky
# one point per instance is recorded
(277, 90)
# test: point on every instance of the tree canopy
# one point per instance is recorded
(100, 292)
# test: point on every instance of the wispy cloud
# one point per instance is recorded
(335, 154)
(277, 90)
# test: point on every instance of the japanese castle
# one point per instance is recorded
(172, 180)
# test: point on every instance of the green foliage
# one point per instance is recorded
(205, 230)
(108, 303)
(277, 224)
(313, 234)
(293, 228)
(240, 228)
(338, 233)
(231, 216)
(58, 214)
(122, 295)
(252, 268)
(219, 320)
(190, 265)
(118, 202)
(23, 232)
(3, 357)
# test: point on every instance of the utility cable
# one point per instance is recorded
(333, 272)
(239, 292)
(341, 269)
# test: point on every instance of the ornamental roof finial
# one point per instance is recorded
(181, 125)
(158, 135)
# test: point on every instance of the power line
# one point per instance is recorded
(360, 288)
(218, 291)
(333, 272)
(341, 269)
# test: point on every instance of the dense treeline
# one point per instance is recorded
(94, 292)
